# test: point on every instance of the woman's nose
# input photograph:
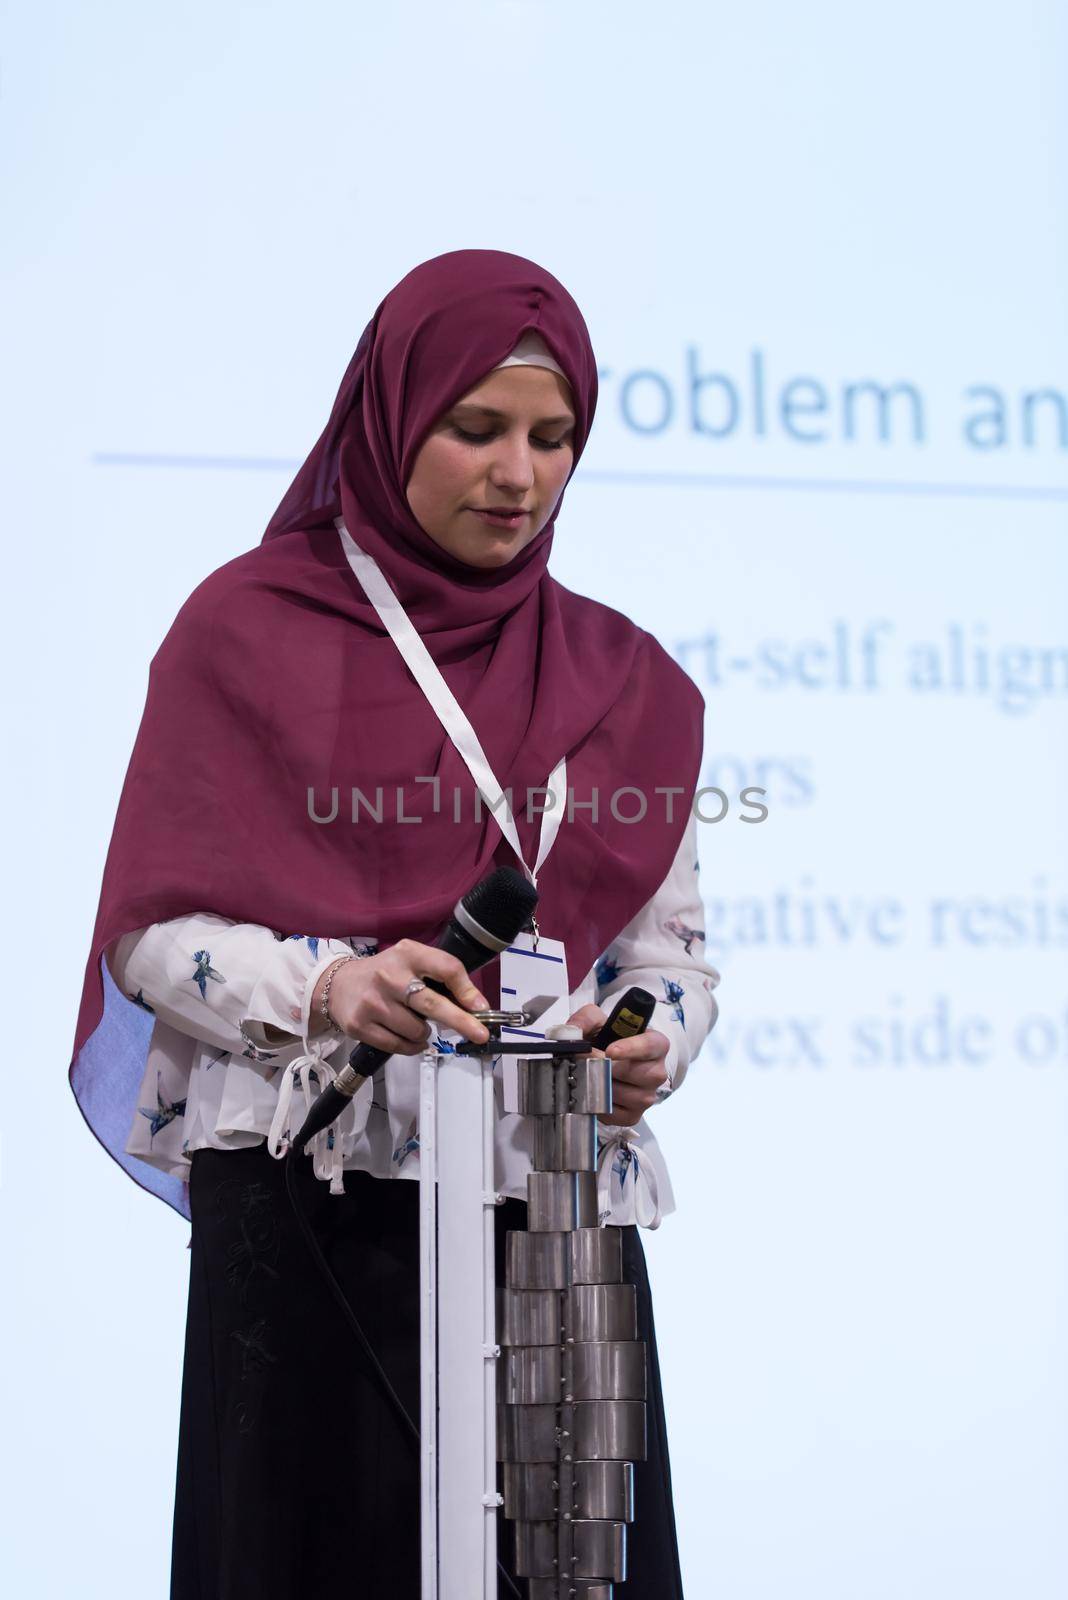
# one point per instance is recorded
(513, 468)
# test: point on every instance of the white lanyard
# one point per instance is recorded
(450, 714)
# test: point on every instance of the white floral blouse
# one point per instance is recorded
(231, 1063)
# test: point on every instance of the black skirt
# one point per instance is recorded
(296, 1480)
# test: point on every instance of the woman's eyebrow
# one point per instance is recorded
(489, 411)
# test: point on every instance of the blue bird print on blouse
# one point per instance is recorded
(410, 1144)
(444, 1047)
(607, 970)
(252, 1050)
(625, 1159)
(165, 1111)
(673, 993)
(251, 1053)
(676, 926)
(139, 1000)
(203, 971)
(313, 943)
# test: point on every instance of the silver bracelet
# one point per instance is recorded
(324, 998)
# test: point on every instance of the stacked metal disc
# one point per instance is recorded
(571, 1374)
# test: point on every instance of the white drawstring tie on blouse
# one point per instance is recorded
(327, 1153)
(327, 1149)
(626, 1181)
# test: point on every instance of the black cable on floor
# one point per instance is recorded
(350, 1316)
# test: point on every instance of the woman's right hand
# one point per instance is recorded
(367, 1000)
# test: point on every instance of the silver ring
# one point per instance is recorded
(413, 988)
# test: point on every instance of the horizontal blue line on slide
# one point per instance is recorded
(686, 480)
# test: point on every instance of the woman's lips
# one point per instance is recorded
(496, 519)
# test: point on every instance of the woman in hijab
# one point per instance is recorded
(253, 929)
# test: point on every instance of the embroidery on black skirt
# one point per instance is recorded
(251, 1266)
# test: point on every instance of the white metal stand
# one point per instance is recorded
(458, 1419)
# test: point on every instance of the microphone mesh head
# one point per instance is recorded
(502, 903)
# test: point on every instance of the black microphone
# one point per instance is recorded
(483, 923)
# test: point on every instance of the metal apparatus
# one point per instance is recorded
(570, 1378)
(572, 1373)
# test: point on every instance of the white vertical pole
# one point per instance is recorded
(428, 1323)
(467, 1524)
(490, 1348)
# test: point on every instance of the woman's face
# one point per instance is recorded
(506, 445)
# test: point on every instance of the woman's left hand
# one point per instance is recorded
(637, 1067)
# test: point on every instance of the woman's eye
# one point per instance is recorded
(481, 438)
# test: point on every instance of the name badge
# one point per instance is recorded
(527, 973)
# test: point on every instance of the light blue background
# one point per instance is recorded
(861, 1301)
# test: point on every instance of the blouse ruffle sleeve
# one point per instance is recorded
(662, 950)
(234, 985)
(230, 1041)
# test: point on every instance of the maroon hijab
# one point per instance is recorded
(277, 678)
